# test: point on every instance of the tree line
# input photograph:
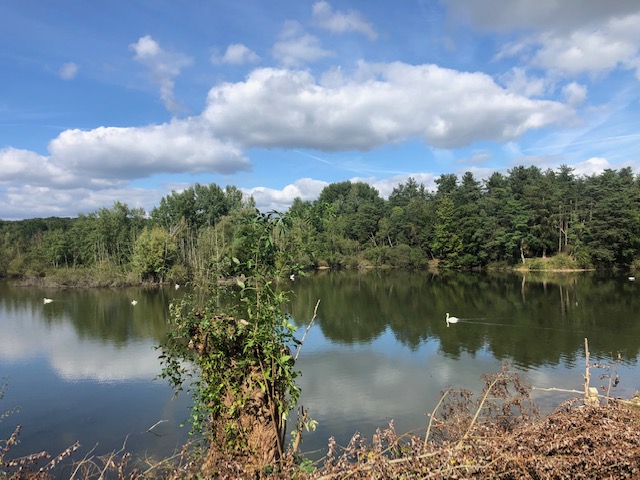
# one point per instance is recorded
(520, 217)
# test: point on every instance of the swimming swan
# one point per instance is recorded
(47, 300)
(451, 319)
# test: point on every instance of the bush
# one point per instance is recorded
(178, 273)
(535, 264)
(562, 261)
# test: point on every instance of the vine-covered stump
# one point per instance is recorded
(247, 418)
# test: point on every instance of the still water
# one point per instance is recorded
(84, 367)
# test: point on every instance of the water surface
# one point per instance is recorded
(84, 367)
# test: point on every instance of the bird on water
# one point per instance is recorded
(47, 300)
(134, 302)
(451, 319)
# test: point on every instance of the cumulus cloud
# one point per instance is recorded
(68, 71)
(164, 66)
(20, 201)
(90, 169)
(341, 22)
(236, 54)
(586, 51)
(593, 166)
(307, 189)
(272, 108)
(29, 167)
(380, 103)
(296, 47)
(385, 186)
(113, 152)
(568, 37)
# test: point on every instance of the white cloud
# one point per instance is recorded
(340, 22)
(68, 71)
(585, 51)
(236, 54)
(27, 167)
(568, 37)
(517, 81)
(381, 103)
(90, 169)
(17, 202)
(307, 189)
(385, 186)
(164, 67)
(593, 166)
(296, 47)
(575, 93)
(178, 146)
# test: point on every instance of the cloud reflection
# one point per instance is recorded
(24, 336)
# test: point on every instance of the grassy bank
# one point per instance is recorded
(556, 263)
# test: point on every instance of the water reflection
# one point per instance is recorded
(390, 353)
(531, 320)
(83, 366)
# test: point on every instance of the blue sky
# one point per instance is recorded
(129, 100)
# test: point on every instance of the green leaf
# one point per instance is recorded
(241, 284)
(285, 358)
(235, 260)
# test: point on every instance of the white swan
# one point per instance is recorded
(47, 300)
(451, 319)
(134, 302)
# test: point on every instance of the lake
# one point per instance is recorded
(84, 366)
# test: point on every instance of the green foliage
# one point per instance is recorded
(535, 264)
(523, 214)
(447, 242)
(562, 262)
(154, 253)
(241, 358)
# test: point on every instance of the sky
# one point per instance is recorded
(130, 100)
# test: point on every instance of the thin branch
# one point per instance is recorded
(475, 417)
(86, 458)
(313, 319)
(150, 430)
(554, 389)
(433, 414)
